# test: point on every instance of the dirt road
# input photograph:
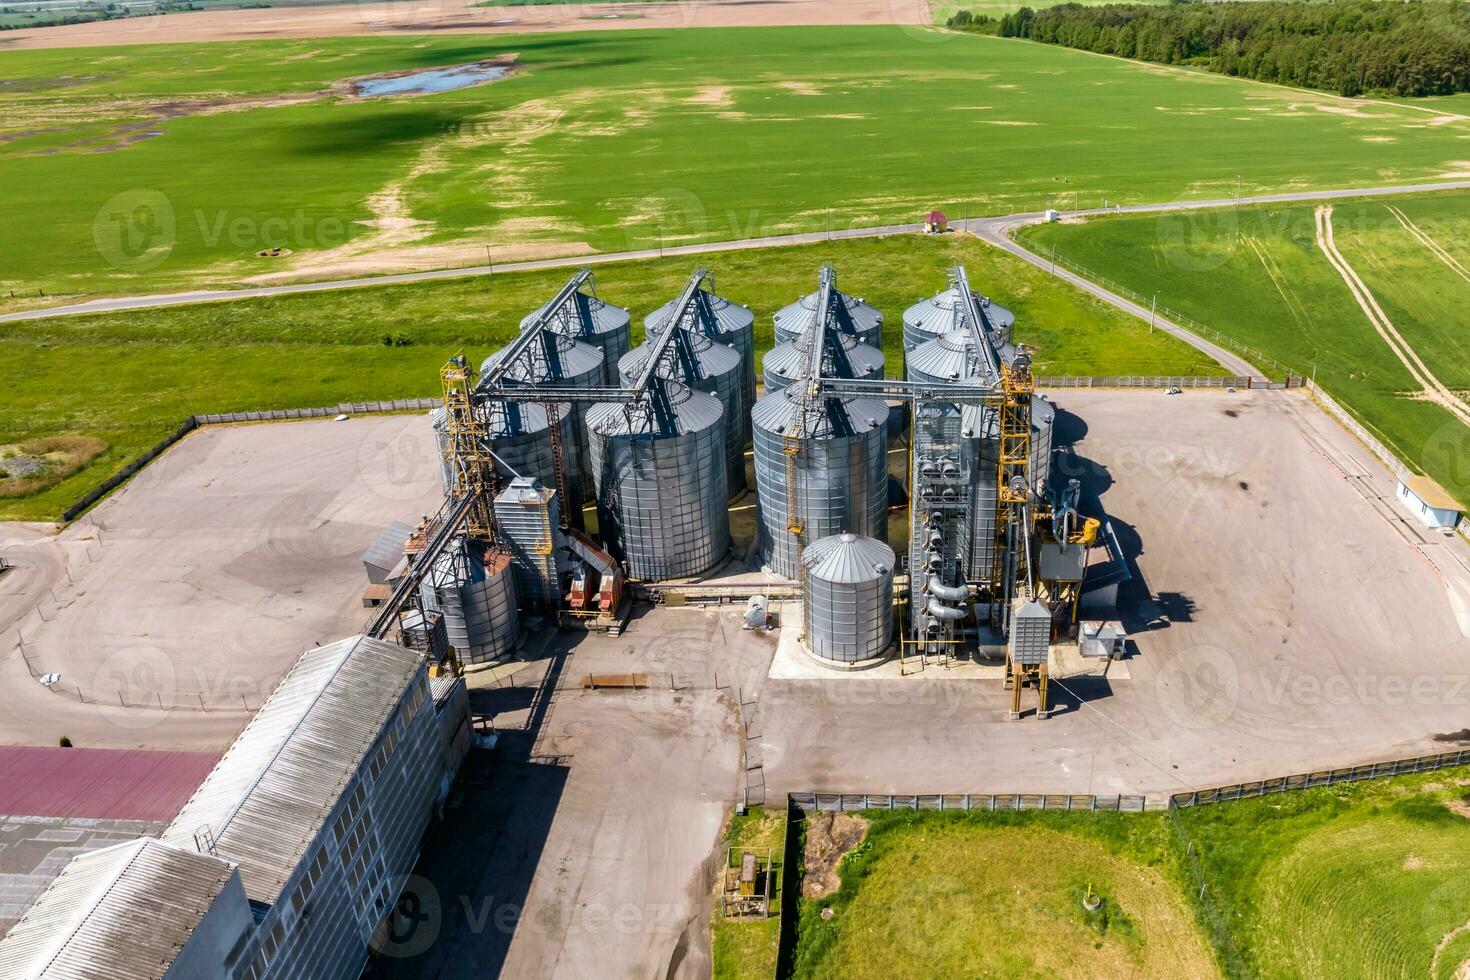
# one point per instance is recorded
(1433, 388)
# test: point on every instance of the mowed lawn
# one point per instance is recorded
(1367, 880)
(129, 378)
(156, 167)
(1258, 276)
(1001, 895)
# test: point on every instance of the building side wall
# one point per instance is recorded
(320, 927)
(218, 934)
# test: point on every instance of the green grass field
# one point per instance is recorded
(130, 378)
(746, 949)
(1258, 276)
(1364, 880)
(1000, 895)
(158, 167)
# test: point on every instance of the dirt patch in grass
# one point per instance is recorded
(1459, 807)
(30, 467)
(829, 836)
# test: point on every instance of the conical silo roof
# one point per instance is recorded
(950, 357)
(575, 362)
(848, 559)
(858, 360)
(587, 316)
(942, 313)
(715, 314)
(712, 358)
(854, 317)
(694, 411)
(780, 413)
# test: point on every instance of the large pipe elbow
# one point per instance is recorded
(949, 593)
(940, 611)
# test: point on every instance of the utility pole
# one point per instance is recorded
(1152, 308)
(1054, 258)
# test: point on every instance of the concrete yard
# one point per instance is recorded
(178, 603)
(1283, 621)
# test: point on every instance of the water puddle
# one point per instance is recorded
(430, 80)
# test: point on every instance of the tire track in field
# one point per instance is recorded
(1428, 242)
(1277, 279)
(1433, 388)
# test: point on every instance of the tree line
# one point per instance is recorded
(1352, 47)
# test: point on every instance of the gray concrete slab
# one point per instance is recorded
(177, 604)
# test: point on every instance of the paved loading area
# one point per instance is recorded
(1284, 618)
(178, 603)
(584, 845)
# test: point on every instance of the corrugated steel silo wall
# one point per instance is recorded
(663, 504)
(530, 533)
(848, 621)
(478, 601)
(843, 483)
(981, 459)
(529, 453)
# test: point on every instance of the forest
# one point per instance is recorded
(1351, 47)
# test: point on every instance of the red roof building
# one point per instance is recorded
(105, 784)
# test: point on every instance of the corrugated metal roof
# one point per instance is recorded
(121, 913)
(938, 314)
(949, 357)
(848, 558)
(266, 800)
(115, 784)
(576, 361)
(714, 360)
(387, 548)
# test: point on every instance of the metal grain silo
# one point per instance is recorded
(584, 317)
(980, 457)
(662, 498)
(953, 357)
(471, 586)
(566, 363)
(845, 357)
(840, 462)
(850, 315)
(528, 518)
(943, 312)
(847, 604)
(704, 365)
(723, 322)
(519, 434)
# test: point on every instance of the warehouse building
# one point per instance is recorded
(140, 910)
(287, 858)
